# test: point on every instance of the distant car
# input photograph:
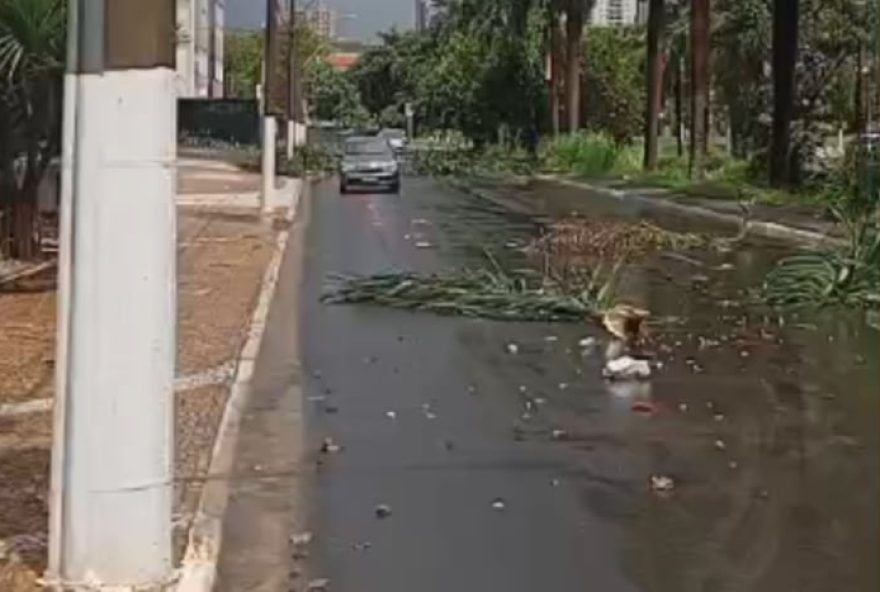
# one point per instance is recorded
(369, 162)
(395, 137)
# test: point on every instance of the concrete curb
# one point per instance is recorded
(759, 228)
(198, 571)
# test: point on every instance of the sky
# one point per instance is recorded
(361, 19)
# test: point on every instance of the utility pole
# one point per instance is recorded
(292, 80)
(272, 99)
(111, 490)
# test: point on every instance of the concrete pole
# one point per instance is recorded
(110, 521)
(291, 138)
(292, 81)
(270, 134)
(272, 102)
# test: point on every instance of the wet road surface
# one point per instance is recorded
(527, 472)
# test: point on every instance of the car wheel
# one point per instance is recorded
(395, 186)
(343, 188)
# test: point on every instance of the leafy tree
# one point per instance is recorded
(32, 48)
(243, 62)
(334, 97)
(616, 79)
(742, 42)
(245, 52)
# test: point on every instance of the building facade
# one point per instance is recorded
(425, 13)
(320, 19)
(616, 13)
(200, 28)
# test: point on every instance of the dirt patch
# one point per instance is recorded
(221, 261)
(27, 340)
(197, 416)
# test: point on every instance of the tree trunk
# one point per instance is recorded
(654, 81)
(699, 85)
(858, 123)
(24, 223)
(574, 32)
(556, 64)
(785, 47)
(679, 106)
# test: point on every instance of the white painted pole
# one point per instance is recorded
(112, 471)
(291, 138)
(270, 131)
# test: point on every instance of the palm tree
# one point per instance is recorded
(575, 18)
(31, 66)
(656, 25)
(557, 63)
(699, 85)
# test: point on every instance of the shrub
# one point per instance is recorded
(586, 154)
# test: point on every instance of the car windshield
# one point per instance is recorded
(366, 147)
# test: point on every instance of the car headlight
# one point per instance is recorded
(390, 167)
(348, 168)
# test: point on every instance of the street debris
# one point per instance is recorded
(512, 348)
(493, 294)
(424, 245)
(683, 407)
(661, 484)
(301, 539)
(587, 342)
(551, 339)
(559, 434)
(429, 413)
(589, 239)
(720, 445)
(318, 585)
(329, 446)
(362, 546)
(644, 407)
(391, 414)
(499, 505)
(383, 511)
(625, 322)
(627, 368)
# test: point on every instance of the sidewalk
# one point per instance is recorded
(555, 196)
(224, 246)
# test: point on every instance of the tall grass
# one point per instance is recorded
(589, 154)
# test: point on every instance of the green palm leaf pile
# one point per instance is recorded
(483, 293)
(827, 278)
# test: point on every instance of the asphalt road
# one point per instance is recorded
(462, 466)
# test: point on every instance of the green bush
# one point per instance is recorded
(589, 155)
(307, 160)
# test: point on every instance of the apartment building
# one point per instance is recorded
(616, 13)
(320, 19)
(200, 26)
